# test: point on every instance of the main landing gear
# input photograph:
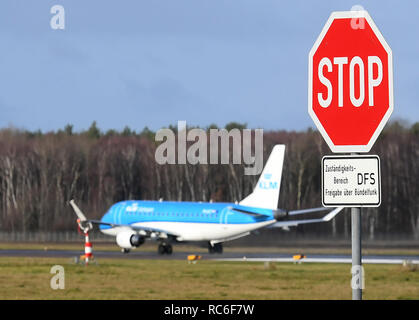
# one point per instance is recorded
(216, 248)
(165, 248)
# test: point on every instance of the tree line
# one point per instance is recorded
(41, 172)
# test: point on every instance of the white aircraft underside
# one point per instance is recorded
(196, 231)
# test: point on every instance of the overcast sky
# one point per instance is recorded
(151, 63)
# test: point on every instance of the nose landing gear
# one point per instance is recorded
(165, 248)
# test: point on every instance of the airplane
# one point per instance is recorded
(134, 221)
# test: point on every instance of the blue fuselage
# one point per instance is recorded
(140, 211)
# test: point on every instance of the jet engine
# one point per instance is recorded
(129, 240)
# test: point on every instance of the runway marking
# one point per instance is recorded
(321, 260)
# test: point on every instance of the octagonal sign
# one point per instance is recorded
(350, 82)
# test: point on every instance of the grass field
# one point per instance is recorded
(29, 278)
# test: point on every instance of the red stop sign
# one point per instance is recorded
(350, 87)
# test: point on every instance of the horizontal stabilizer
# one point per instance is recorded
(293, 223)
(304, 211)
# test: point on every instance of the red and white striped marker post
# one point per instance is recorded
(87, 248)
(87, 244)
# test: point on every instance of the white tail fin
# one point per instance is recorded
(266, 192)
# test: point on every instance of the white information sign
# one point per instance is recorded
(351, 181)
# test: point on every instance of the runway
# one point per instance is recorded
(334, 259)
(226, 256)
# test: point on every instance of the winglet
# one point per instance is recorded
(332, 214)
(78, 212)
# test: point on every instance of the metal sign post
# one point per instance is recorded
(357, 274)
(357, 270)
(352, 181)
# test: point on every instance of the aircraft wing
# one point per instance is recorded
(293, 223)
(135, 228)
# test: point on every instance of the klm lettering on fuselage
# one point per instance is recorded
(266, 184)
(135, 208)
(209, 211)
